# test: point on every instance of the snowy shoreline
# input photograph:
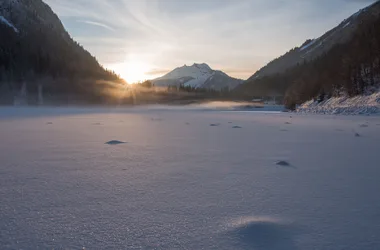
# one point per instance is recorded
(359, 105)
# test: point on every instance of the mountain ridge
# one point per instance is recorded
(39, 50)
(198, 75)
(313, 48)
(345, 61)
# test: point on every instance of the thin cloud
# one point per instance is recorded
(362, 1)
(102, 25)
(158, 72)
(237, 37)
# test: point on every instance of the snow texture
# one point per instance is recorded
(236, 127)
(187, 187)
(214, 125)
(363, 105)
(5, 21)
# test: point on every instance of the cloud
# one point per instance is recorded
(98, 24)
(155, 72)
(362, 1)
(238, 37)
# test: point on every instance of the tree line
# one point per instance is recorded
(352, 68)
(44, 54)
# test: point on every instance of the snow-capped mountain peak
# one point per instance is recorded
(202, 66)
(198, 75)
(199, 72)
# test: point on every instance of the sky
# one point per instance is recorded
(144, 39)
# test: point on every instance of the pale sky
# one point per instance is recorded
(144, 39)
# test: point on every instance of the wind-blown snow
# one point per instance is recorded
(3, 20)
(181, 184)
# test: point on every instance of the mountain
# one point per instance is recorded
(313, 48)
(38, 49)
(345, 60)
(198, 76)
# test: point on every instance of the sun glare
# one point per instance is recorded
(135, 71)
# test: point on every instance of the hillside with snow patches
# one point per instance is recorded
(198, 76)
(313, 48)
(9, 24)
(21, 15)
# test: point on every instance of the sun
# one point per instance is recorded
(134, 71)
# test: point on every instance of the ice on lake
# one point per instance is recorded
(187, 187)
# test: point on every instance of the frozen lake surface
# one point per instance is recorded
(187, 179)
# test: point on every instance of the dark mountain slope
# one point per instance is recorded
(35, 48)
(350, 64)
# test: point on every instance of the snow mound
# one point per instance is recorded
(5, 21)
(264, 233)
(115, 142)
(283, 163)
(359, 105)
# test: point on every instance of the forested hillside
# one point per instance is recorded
(351, 67)
(36, 49)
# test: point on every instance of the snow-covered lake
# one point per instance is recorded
(187, 179)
